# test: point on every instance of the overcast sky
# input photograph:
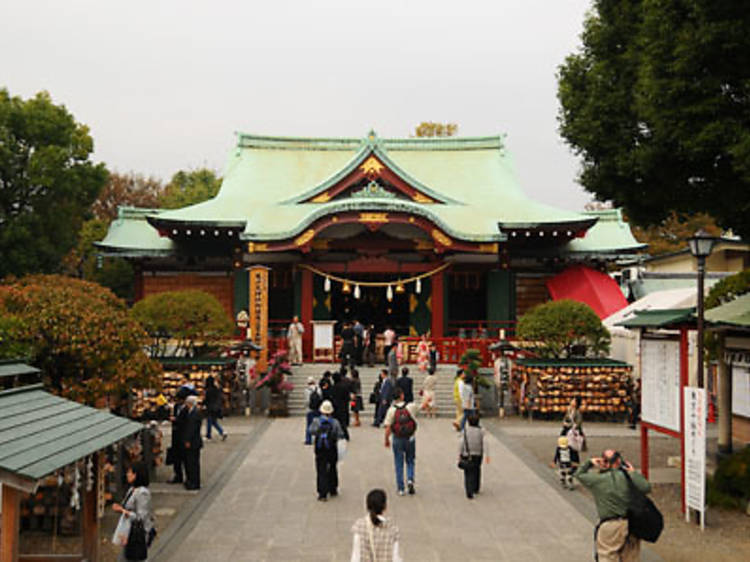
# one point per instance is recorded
(164, 85)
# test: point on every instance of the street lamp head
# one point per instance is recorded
(701, 244)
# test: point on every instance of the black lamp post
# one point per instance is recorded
(701, 245)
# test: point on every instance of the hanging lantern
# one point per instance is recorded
(400, 289)
(389, 293)
(356, 292)
(418, 286)
(327, 284)
(347, 288)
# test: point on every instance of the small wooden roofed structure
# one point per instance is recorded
(41, 433)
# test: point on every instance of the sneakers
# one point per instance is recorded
(224, 437)
(400, 492)
(322, 499)
(411, 488)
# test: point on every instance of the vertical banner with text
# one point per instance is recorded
(695, 451)
(259, 313)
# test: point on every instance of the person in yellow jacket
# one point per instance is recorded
(457, 400)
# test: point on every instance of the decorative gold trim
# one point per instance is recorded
(412, 219)
(305, 238)
(488, 248)
(371, 167)
(373, 217)
(419, 198)
(441, 238)
(423, 244)
(256, 247)
(321, 244)
(322, 198)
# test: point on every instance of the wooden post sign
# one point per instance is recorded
(259, 313)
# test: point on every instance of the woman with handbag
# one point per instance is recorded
(573, 420)
(136, 510)
(471, 450)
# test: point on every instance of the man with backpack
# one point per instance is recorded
(314, 399)
(610, 485)
(401, 423)
(326, 432)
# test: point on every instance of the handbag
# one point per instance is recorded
(169, 460)
(136, 548)
(645, 521)
(373, 398)
(464, 461)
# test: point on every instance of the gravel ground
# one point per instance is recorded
(727, 534)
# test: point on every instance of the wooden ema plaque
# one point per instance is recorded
(259, 313)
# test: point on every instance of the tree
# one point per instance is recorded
(657, 104)
(187, 318)
(431, 129)
(47, 182)
(83, 337)
(129, 189)
(559, 327)
(189, 188)
(671, 234)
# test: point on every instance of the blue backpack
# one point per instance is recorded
(325, 436)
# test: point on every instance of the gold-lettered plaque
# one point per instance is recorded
(259, 313)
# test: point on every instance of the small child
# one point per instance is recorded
(566, 459)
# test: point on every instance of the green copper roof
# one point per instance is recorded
(269, 181)
(665, 318)
(40, 432)
(267, 177)
(735, 313)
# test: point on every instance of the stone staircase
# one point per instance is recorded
(368, 376)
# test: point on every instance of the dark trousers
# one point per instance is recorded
(386, 351)
(473, 476)
(311, 415)
(327, 475)
(192, 468)
(381, 412)
(179, 463)
(342, 415)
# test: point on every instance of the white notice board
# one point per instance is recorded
(323, 335)
(741, 390)
(695, 450)
(660, 383)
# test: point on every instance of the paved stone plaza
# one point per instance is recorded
(265, 507)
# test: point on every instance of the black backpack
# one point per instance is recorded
(404, 424)
(325, 437)
(645, 521)
(315, 400)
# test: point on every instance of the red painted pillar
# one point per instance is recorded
(306, 312)
(644, 449)
(683, 384)
(438, 306)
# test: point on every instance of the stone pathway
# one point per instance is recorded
(267, 509)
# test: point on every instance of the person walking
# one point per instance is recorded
(347, 352)
(423, 354)
(359, 341)
(326, 431)
(389, 337)
(213, 399)
(573, 420)
(428, 394)
(611, 490)
(192, 442)
(406, 384)
(471, 444)
(385, 398)
(357, 403)
(401, 423)
(393, 359)
(136, 505)
(294, 338)
(341, 394)
(466, 392)
(458, 379)
(375, 538)
(375, 398)
(179, 414)
(370, 341)
(313, 399)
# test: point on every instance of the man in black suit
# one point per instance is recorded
(191, 439)
(406, 384)
(179, 413)
(341, 393)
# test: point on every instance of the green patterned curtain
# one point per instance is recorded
(321, 300)
(420, 309)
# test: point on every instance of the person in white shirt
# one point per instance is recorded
(294, 336)
(466, 392)
(401, 422)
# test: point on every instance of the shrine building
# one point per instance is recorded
(422, 234)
